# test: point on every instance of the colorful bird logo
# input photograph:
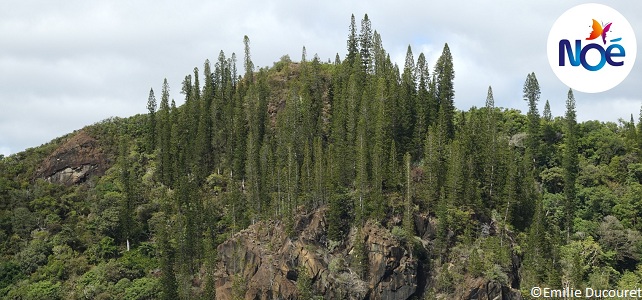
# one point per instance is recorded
(599, 31)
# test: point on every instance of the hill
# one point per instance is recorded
(352, 179)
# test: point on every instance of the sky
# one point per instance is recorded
(68, 64)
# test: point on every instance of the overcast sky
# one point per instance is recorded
(68, 64)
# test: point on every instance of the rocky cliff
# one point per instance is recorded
(74, 161)
(262, 262)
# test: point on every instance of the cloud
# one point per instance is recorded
(69, 64)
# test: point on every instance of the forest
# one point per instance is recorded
(520, 199)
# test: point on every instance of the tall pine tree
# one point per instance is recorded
(353, 43)
(151, 122)
(366, 43)
(445, 92)
(570, 162)
(247, 62)
(164, 137)
(531, 95)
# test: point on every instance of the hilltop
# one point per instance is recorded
(352, 179)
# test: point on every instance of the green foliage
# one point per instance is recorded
(339, 216)
(239, 287)
(143, 289)
(10, 273)
(360, 138)
(579, 259)
(304, 283)
(625, 244)
(570, 161)
(41, 290)
(33, 255)
(491, 258)
(531, 95)
(360, 256)
(553, 179)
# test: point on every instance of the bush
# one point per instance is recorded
(9, 273)
(136, 263)
(400, 234)
(33, 256)
(41, 290)
(143, 288)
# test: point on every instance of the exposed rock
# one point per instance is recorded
(482, 289)
(262, 262)
(74, 161)
(269, 263)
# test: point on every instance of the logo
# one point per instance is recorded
(591, 48)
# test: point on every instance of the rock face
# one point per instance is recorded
(481, 289)
(74, 161)
(261, 262)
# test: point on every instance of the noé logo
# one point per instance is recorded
(591, 48)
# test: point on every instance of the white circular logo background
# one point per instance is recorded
(576, 24)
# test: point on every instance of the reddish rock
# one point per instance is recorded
(74, 161)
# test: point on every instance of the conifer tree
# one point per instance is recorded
(361, 165)
(209, 265)
(353, 94)
(631, 134)
(445, 92)
(490, 99)
(174, 153)
(570, 162)
(167, 260)
(193, 113)
(151, 121)
(455, 182)
(352, 41)
(432, 165)
(196, 92)
(306, 176)
(394, 174)
(377, 152)
(186, 133)
(472, 141)
(233, 74)
(531, 95)
(164, 137)
(366, 44)
(491, 155)
(520, 191)
(547, 112)
(337, 160)
(360, 255)
(408, 218)
(318, 188)
(268, 175)
(423, 106)
(247, 62)
(292, 187)
(204, 134)
(405, 113)
(252, 172)
(539, 254)
(379, 54)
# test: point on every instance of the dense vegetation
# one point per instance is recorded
(366, 138)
